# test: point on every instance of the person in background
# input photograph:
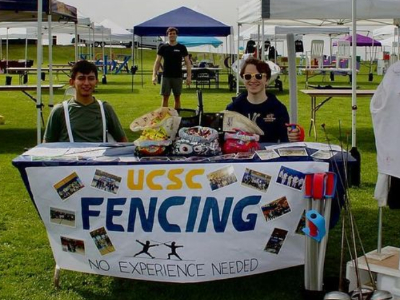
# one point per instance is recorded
(172, 53)
(83, 111)
(262, 107)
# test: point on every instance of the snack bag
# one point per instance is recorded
(163, 117)
(240, 141)
(197, 140)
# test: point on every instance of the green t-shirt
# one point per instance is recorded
(86, 123)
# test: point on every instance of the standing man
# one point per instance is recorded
(172, 53)
(83, 118)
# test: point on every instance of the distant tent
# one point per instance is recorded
(362, 41)
(188, 22)
(194, 41)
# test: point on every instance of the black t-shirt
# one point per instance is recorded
(172, 56)
(271, 116)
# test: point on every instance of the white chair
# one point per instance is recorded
(316, 54)
(343, 52)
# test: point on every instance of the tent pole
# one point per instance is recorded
(141, 57)
(26, 49)
(39, 59)
(238, 62)
(292, 77)
(51, 93)
(7, 51)
(76, 42)
(133, 55)
(353, 151)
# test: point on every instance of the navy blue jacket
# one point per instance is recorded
(271, 116)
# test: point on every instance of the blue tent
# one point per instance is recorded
(193, 41)
(187, 21)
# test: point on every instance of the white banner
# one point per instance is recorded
(174, 222)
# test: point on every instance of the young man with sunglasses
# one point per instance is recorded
(262, 107)
(83, 118)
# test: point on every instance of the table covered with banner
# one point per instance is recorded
(173, 219)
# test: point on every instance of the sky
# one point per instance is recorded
(128, 13)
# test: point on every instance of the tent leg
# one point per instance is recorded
(56, 277)
(379, 247)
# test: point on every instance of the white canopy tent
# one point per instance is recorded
(335, 12)
(390, 37)
(294, 30)
(329, 12)
(38, 10)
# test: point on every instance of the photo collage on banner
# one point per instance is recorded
(108, 219)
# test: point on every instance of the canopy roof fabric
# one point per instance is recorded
(118, 33)
(26, 10)
(385, 32)
(362, 40)
(329, 12)
(194, 41)
(186, 20)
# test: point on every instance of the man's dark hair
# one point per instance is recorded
(84, 67)
(261, 66)
(172, 29)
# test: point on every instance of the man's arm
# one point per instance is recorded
(156, 67)
(188, 70)
(113, 124)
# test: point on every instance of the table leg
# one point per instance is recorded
(37, 105)
(313, 117)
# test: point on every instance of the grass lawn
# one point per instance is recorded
(26, 259)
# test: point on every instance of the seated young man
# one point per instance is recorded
(84, 112)
(262, 107)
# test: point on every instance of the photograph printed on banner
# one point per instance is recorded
(276, 209)
(291, 178)
(106, 182)
(276, 241)
(68, 186)
(267, 154)
(102, 241)
(62, 217)
(323, 154)
(244, 155)
(256, 180)
(293, 152)
(222, 177)
(72, 245)
(301, 224)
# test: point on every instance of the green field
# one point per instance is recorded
(26, 261)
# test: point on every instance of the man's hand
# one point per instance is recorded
(188, 81)
(154, 79)
(295, 133)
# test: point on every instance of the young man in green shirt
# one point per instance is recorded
(84, 112)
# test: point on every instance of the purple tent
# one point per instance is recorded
(362, 40)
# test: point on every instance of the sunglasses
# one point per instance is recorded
(257, 76)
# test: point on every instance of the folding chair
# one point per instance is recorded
(316, 54)
(343, 53)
